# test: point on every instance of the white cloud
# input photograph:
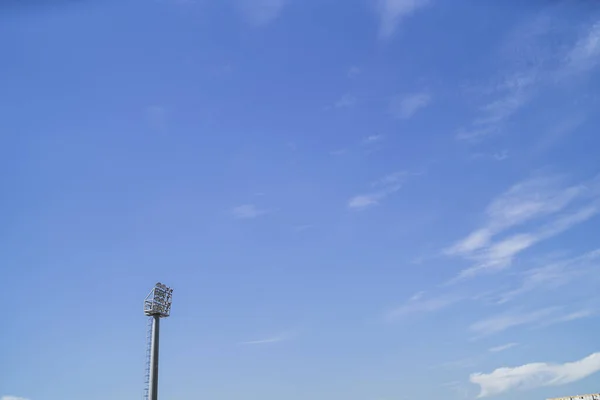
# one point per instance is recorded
(535, 375)
(346, 101)
(384, 187)
(12, 398)
(525, 202)
(392, 12)
(405, 106)
(247, 211)
(503, 347)
(501, 254)
(261, 12)
(365, 200)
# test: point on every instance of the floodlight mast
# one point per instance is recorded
(157, 305)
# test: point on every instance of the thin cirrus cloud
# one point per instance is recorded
(382, 188)
(420, 304)
(393, 12)
(547, 207)
(346, 101)
(541, 318)
(269, 340)
(247, 211)
(533, 201)
(504, 347)
(585, 54)
(508, 98)
(12, 398)
(502, 322)
(555, 275)
(405, 106)
(530, 376)
(372, 139)
(261, 12)
(539, 64)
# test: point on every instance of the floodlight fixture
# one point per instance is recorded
(159, 300)
(157, 305)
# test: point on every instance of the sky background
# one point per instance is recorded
(358, 200)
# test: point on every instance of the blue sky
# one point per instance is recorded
(362, 200)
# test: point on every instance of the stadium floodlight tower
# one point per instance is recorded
(157, 305)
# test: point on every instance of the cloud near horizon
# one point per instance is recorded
(530, 376)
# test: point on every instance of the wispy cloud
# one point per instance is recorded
(506, 100)
(497, 156)
(405, 106)
(500, 255)
(535, 63)
(372, 139)
(528, 201)
(271, 339)
(383, 188)
(420, 303)
(502, 322)
(392, 12)
(302, 228)
(247, 211)
(12, 398)
(543, 317)
(503, 347)
(585, 55)
(346, 101)
(554, 275)
(261, 12)
(534, 375)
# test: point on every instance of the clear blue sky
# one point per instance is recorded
(358, 200)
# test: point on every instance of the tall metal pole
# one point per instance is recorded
(153, 395)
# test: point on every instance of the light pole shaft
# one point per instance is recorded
(153, 395)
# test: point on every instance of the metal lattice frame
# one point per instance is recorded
(158, 302)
